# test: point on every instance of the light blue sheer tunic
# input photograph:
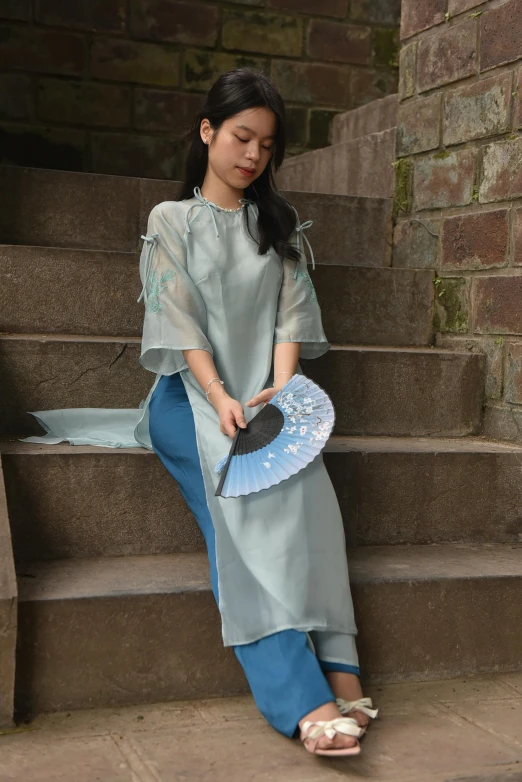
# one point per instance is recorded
(280, 552)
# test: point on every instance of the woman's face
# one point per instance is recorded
(241, 150)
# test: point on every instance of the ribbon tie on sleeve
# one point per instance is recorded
(299, 230)
(151, 242)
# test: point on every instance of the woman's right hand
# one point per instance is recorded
(230, 413)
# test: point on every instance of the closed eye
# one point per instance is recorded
(246, 140)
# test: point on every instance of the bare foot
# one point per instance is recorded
(326, 713)
(348, 687)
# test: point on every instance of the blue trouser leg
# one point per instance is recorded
(283, 672)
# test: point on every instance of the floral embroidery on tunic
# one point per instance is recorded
(157, 286)
(299, 275)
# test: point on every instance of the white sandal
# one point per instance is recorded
(363, 705)
(345, 725)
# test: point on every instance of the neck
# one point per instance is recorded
(221, 193)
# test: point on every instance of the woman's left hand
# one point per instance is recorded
(264, 396)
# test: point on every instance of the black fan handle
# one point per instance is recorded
(233, 449)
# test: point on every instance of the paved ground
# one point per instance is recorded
(461, 730)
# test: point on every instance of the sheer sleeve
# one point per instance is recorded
(175, 314)
(298, 313)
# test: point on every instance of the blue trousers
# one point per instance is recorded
(284, 674)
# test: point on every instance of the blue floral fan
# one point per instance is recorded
(285, 436)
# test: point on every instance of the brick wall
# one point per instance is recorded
(459, 182)
(109, 85)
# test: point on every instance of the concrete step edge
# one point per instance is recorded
(399, 349)
(10, 446)
(47, 249)
(101, 577)
(86, 174)
(370, 138)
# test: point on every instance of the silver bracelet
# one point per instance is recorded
(207, 392)
(280, 373)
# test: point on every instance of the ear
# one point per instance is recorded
(205, 131)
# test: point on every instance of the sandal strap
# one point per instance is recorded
(363, 704)
(346, 725)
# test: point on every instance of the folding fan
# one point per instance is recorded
(279, 441)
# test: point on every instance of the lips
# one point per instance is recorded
(246, 171)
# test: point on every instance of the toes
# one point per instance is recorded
(339, 741)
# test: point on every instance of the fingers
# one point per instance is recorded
(228, 426)
(240, 420)
(229, 430)
(258, 398)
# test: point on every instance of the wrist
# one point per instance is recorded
(217, 394)
(282, 378)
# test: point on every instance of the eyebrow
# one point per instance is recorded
(253, 131)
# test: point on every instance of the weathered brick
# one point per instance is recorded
(513, 384)
(447, 56)
(477, 110)
(161, 110)
(15, 96)
(517, 106)
(181, 22)
(497, 304)
(143, 63)
(16, 9)
(458, 6)
(418, 127)
(339, 42)
(142, 156)
(45, 51)
(517, 237)
(444, 179)
(407, 71)
(370, 84)
(98, 15)
(312, 82)
(201, 68)
(502, 171)
(386, 47)
(417, 15)
(416, 244)
(491, 349)
(261, 32)
(452, 305)
(320, 133)
(376, 11)
(501, 35)
(338, 8)
(475, 241)
(296, 125)
(84, 103)
(403, 186)
(38, 147)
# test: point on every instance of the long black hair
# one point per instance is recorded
(233, 92)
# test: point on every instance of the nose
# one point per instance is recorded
(253, 152)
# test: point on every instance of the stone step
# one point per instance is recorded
(97, 293)
(373, 117)
(102, 212)
(73, 502)
(118, 621)
(360, 167)
(402, 391)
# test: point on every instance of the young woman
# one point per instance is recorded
(229, 310)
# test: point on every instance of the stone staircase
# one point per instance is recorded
(114, 600)
(359, 159)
